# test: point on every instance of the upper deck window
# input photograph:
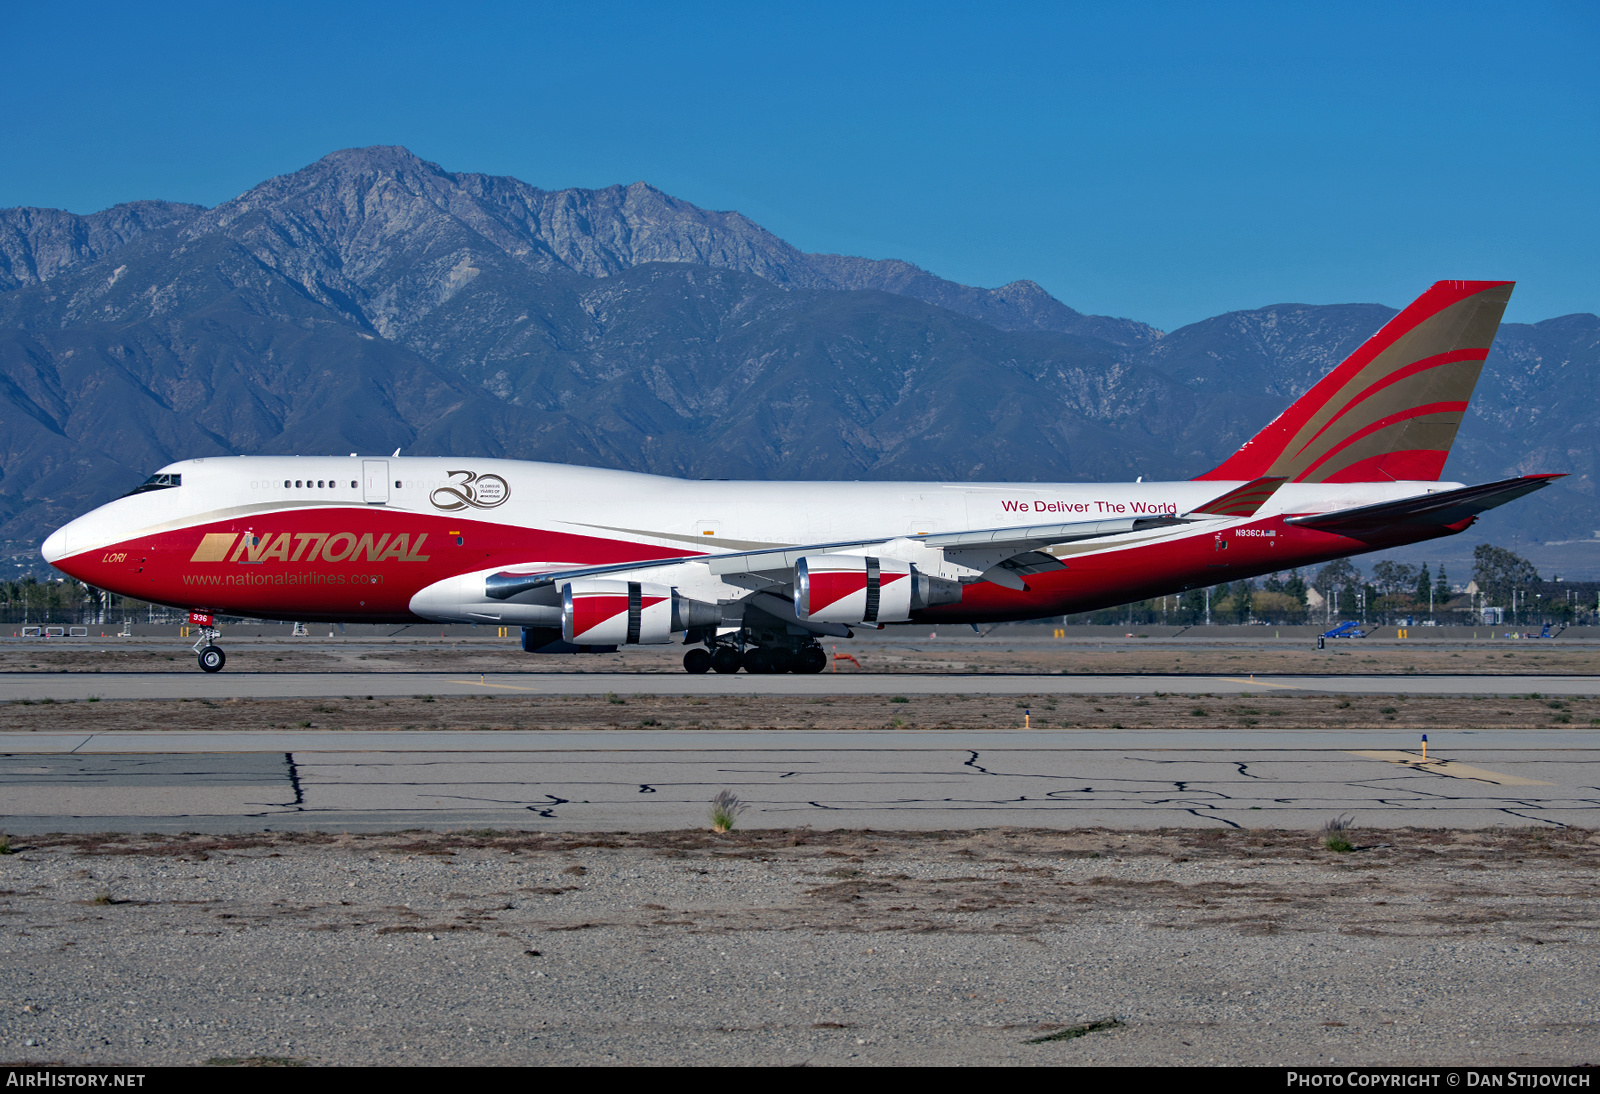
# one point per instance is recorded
(156, 482)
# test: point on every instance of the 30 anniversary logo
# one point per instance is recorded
(472, 490)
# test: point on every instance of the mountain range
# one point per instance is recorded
(374, 301)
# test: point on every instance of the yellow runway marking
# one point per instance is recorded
(481, 684)
(1450, 768)
(1255, 683)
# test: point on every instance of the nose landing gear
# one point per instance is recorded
(211, 656)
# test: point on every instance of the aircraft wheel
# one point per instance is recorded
(697, 661)
(783, 661)
(813, 659)
(725, 659)
(757, 660)
(212, 659)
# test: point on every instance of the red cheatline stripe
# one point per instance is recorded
(1438, 359)
(1381, 423)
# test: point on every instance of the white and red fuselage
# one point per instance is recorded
(406, 539)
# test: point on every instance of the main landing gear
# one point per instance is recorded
(211, 656)
(802, 657)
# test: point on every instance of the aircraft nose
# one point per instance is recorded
(58, 544)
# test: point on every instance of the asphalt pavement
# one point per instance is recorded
(640, 780)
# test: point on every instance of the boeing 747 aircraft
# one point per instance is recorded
(751, 574)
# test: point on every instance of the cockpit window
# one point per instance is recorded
(156, 482)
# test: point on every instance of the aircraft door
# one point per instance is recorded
(375, 481)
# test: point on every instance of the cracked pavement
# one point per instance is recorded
(641, 781)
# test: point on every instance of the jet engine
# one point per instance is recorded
(863, 589)
(852, 589)
(598, 612)
(549, 640)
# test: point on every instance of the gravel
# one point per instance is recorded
(802, 948)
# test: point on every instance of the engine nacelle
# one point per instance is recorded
(549, 640)
(597, 612)
(852, 589)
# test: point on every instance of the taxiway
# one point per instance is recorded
(642, 780)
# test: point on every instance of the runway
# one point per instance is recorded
(78, 686)
(638, 780)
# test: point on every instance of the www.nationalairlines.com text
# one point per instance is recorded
(249, 579)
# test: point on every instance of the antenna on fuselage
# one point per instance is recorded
(396, 453)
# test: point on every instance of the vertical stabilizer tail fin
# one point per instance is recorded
(1391, 409)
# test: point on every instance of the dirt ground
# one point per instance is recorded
(878, 654)
(1185, 710)
(849, 892)
(1000, 946)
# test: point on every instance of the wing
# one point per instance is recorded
(1446, 508)
(1003, 555)
(1016, 541)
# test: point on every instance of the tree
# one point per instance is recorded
(1441, 588)
(1498, 573)
(1341, 571)
(1296, 587)
(1276, 607)
(1424, 586)
(1192, 607)
(1394, 577)
(1241, 600)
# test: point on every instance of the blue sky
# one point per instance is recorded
(1165, 162)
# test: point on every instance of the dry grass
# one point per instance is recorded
(890, 653)
(501, 712)
(1537, 885)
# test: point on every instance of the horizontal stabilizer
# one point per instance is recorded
(1241, 501)
(1444, 509)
